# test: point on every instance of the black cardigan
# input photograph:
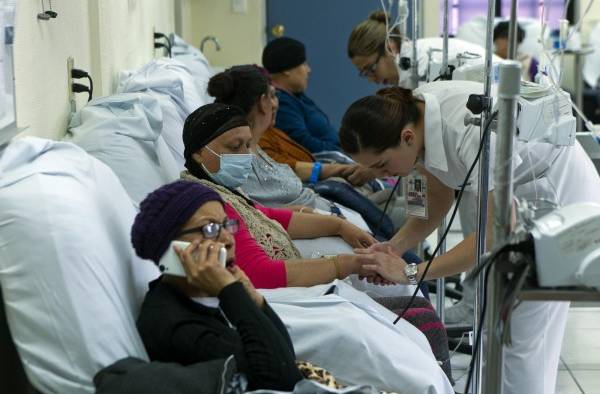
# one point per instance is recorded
(175, 328)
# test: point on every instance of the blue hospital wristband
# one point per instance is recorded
(316, 172)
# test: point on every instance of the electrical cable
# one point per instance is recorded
(91, 88)
(458, 199)
(457, 346)
(478, 334)
(387, 203)
(521, 247)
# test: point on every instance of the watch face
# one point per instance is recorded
(411, 269)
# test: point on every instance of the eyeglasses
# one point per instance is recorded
(213, 230)
(370, 70)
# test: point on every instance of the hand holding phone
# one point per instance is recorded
(199, 264)
(171, 264)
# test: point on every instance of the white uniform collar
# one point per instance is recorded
(435, 156)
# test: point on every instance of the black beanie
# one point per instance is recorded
(283, 54)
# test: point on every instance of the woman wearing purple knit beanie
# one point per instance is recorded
(214, 312)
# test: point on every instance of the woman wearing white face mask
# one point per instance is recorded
(217, 139)
(388, 62)
(398, 131)
(275, 184)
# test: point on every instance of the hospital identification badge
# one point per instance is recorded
(415, 190)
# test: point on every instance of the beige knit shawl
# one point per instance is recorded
(269, 234)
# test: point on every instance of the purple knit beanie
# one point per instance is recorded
(162, 214)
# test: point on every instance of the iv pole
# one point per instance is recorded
(508, 93)
(483, 186)
(415, 32)
(440, 288)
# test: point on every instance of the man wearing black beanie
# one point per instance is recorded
(298, 115)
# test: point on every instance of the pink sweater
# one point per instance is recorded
(263, 272)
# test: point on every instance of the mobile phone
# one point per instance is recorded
(170, 263)
(223, 257)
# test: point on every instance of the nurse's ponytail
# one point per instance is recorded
(368, 37)
(375, 122)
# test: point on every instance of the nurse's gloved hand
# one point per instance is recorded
(388, 266)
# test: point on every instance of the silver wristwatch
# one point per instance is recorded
(411, 271)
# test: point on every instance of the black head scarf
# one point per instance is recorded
(204, 125)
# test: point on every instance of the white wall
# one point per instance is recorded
(431, 19)
(40, 52)
(103, 36)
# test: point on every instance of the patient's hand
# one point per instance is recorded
(354, 236)
(384, 247)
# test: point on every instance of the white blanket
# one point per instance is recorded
(344, 331)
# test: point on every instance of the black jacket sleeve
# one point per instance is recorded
(258, 343)
(270, 313)
(268, 358)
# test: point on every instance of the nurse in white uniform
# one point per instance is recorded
(386, 59)
(366, 50)
(398, 131)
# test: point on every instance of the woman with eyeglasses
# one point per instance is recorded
(386, 59)
(214, 312)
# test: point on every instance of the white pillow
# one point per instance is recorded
(172, 129)
(197, 63)
(167, 76)
(71, 283)
(179, 85)
(123, 131)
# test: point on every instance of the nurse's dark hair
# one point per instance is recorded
(376, 122)
(241, 86)
(368, 37)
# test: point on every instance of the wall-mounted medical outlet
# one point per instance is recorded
(70, 66)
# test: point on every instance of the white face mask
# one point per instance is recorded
(234, 169)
